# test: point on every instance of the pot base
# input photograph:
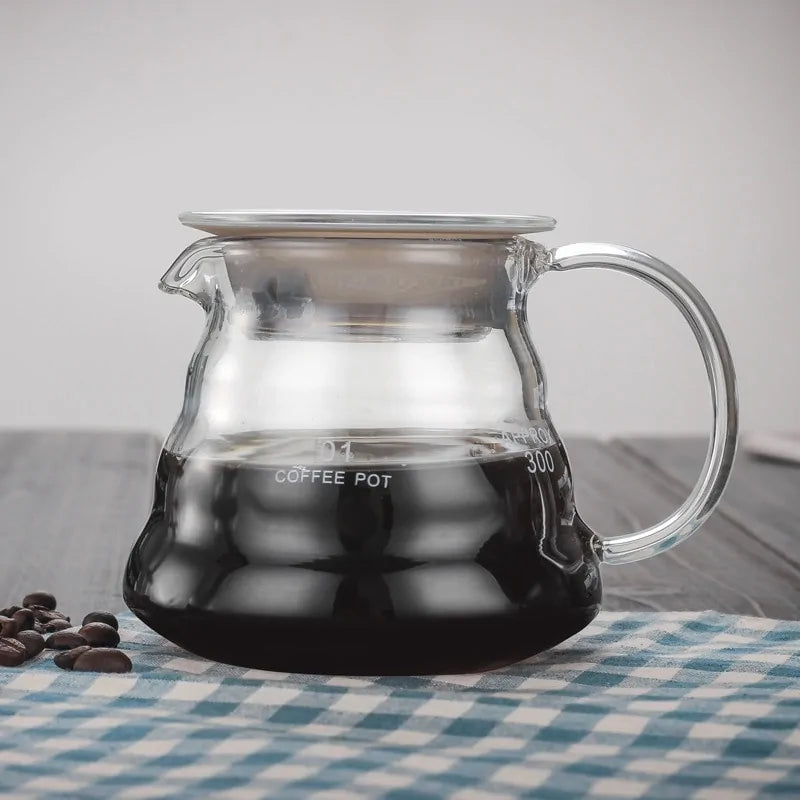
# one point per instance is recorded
(423, 646)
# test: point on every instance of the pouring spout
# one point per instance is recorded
(194, 273)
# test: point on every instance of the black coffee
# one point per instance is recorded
(438, 567)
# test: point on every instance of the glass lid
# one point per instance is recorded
(385, 224)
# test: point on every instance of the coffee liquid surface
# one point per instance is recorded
(365, 556)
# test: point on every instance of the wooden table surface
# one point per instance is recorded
(72, 503)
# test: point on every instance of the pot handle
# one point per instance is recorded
(683, 522)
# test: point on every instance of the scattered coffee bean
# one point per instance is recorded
(98, 634)
(8, 626)
(53, 626)
(102, 659)
(34, 642)
(25, 619)
(12, 652)
(47, 615)
(66, 658)
(90, 649)
(101, 616)
(64, 640)
(43, 599)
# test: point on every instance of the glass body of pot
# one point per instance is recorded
(364, 477)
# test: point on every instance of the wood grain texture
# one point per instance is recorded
(726, 566)
(762, 496)
(72, 503)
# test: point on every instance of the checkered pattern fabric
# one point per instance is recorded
(638, 705)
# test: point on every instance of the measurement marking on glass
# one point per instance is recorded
(540, 461)
(329, 450)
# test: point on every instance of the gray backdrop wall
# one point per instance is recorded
(668, 126)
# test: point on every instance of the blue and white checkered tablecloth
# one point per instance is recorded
(639, 705)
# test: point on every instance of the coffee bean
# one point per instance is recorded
(12, 652)
(66, 658)
(34, 642)
(10, 611)
(103, 659)
(64, 640)
(98, 634)
(47, 615)
(43, 599)
(101, 616)
(25, 619)
(8, 626)
(53, 626)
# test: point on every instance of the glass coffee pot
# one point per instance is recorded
(364, 477)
